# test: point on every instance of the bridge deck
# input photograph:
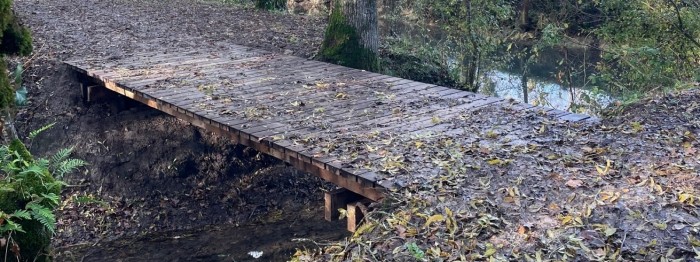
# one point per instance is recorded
(335, 122)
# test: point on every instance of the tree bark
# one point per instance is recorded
(362, 15)
(352, 36)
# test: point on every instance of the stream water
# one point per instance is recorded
(544, 92)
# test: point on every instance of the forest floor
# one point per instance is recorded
(625, 187)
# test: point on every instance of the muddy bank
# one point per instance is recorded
(274, 241)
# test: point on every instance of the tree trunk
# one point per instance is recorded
(352, 35)
(524, 19)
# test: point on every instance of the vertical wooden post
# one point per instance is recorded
(84, 89)
(355, 216)
(336, 199)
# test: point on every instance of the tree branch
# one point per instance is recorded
(681, 25)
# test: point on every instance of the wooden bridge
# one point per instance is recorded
(307, 113)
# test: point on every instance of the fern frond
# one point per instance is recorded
(69, 165)
(33, 169)
(35, 133)
(24, 214)
(4, 153)
(61, 155)
(42, 163)
(11, 226)
(44, 215)
(53, 199)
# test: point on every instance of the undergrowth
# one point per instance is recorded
(30, 190)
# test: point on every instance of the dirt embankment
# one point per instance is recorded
(148, 171)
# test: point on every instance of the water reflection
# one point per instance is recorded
(544, 93)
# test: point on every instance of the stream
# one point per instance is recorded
(544, 92)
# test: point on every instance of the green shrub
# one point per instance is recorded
(271, 4)
(16, 39)
(29, 192)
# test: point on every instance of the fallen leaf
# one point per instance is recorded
(432, 219)
(521, 230)
(574, 183)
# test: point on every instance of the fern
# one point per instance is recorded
(44, 215)
(11, 226)
(42, 163)
(33, 169)
(35, 133)
(61, 155)
(67, 166)
(53, 199)
(24, 214)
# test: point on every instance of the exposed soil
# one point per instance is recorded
(148, 171)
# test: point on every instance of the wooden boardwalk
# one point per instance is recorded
(325, 119)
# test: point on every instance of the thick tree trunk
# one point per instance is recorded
(352, 36)
(362, 15)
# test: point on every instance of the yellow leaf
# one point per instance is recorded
(685, 197)
(343, 213)
(434, 218)
(419, 144)
(693, 241)
(366, 227)
(371, 149)
(566, 219)
(495, 162)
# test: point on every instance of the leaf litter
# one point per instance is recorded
(622, 188)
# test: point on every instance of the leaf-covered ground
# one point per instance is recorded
(624, 188)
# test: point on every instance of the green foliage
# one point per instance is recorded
(7, 93)
(649, 45)
(29, 192)
(35, 133)
(16, 39)
(271, 4)
(342, 46)
(18, 147)
(466, 34)
(406, 59)
(415, 250)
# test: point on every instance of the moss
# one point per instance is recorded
(17, 146)
(35, 242)
(341, 45)
(271, 4)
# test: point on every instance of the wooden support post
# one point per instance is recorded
(356, 212)
(336, 199)
(93, 93)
